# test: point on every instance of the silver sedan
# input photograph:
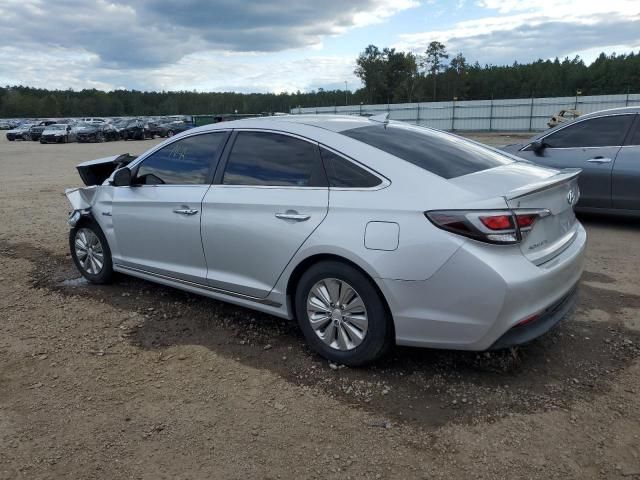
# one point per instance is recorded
(368, 232)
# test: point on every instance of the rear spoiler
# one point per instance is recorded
(95, 172)
(564, 176)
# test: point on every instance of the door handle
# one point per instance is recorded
(599, 160)
(293, 215)
(185, 211)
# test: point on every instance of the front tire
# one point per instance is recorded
(342, 314)
(91, 253)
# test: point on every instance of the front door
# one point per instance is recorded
(157, 219)
(271, 195)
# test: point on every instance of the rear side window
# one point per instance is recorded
(263, 158)
(596, 132)
(184, 162)
(437, 152)
(343, 173)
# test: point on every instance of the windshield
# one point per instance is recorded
(437, 152)
(57, 127)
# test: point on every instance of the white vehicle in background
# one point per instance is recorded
(58, 133)
(92, 120)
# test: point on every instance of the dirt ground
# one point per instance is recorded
(134, 380)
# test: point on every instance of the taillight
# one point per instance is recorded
(502, 227)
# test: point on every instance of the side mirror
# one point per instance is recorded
(122, 178)
(538, 146)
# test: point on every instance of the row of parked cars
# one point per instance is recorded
(97, 129)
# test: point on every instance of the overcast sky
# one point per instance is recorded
(284, 45)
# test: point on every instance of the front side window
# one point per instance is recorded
(263, 158)
(596, 132)
(437, 152)
(184, 162)
(345, 174)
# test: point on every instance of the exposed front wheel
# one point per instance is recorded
(342, 314)
(90, 252)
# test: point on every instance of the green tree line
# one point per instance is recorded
(387, 75)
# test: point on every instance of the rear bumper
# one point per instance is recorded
(548, 319)
(480, 294)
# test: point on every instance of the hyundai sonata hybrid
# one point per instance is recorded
(369, 232)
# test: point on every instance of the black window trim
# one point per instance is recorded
(579, 120)
(384, 181)
(210, 175)
(635, 129)
(222, 164)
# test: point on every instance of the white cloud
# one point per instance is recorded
(525, 30)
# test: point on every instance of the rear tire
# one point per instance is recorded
(351, 323)
(91, 253)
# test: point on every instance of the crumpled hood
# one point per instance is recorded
(95, 172)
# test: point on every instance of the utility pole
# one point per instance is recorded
(345, 93)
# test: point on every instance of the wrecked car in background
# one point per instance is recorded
(135, 130)
(19, 132)
(172, 128)
(35, 131)
(58, 133)
(563, 116)
(97, 132)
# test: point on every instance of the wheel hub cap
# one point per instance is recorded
(337, 314)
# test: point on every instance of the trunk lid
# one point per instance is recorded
(526, 186)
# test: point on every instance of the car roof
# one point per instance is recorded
(334, 123)
(611, 111)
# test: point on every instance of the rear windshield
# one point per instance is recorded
(437, 152)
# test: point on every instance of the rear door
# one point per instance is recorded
(269, 196)
(157, 219)
(591, 145)
(625, 182)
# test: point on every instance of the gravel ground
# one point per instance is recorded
(134, 380)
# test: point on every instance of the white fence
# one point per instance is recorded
(522, 114)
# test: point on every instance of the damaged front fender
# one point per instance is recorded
(94, 174)
(81, 200)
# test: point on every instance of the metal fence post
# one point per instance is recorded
(453, 116)
(626, 104)
(418, 114)
(491, 114)
(335, 109)
(531, 115)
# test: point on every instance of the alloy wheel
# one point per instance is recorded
(89, 251)
(337, 314)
